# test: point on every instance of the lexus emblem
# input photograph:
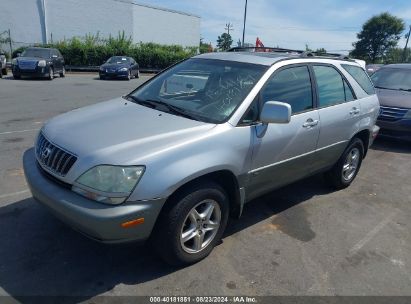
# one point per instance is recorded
(45, 153)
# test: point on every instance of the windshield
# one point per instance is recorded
(42, 53)
(208, 90)
(118, 60)
(393, 79)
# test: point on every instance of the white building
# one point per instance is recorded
(37, 21)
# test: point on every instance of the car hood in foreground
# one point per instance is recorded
(394, 98)
(120, 132)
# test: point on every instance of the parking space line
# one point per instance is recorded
(14, 193)
(372, 233)
(20, 131)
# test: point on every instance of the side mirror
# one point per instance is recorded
(276, 112)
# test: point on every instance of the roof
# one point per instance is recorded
(397, 66)
(247, 57)
(157, 8)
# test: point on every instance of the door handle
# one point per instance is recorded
(354, 111)
(310, 123)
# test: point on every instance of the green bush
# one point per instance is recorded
(91, 50)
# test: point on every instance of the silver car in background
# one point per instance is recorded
(172, 160)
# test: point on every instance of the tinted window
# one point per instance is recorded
(349, 96)
(394, 79)
(42, 53)
(330, 84)
(361, 77)
(293, 86)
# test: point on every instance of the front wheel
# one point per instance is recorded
(188, 231)
(129, 75)
(346, 169)
(63, 72)
(51, 74)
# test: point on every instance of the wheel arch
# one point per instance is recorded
(364, 136)
(224, 178)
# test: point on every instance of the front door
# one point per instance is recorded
(283, 153)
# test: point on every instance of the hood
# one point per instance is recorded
(394, 98)
(115, 65)
(29, 59)
(119, 131)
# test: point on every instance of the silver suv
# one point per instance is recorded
(172, 160)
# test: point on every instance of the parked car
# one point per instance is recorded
(3, 65)
(393, 83)
(39, 62)
(372, 68)
(172, 160)
(120, 67)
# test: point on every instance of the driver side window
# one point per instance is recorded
(291, 85)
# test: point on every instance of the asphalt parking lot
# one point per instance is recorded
(301, 240)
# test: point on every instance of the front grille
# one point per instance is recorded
(391, 114)
(53, 158)
(27, 65)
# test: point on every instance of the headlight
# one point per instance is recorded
(108, 184)
(101, 68)
(42, 63)
(14, 62)
(123, 70)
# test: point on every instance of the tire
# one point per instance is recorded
(102, 77)
(346, 169)
(129, 75)
(17, 77)
(51, 74)
(180, 218)
(138, 74)
(63, 72)
(4, 71)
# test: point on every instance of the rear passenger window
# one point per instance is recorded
(361, 77)
(332, 88)
(292, 86)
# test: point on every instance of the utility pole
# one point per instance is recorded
(228, 27)
(406, 45)
(11, 48)
(245, 17)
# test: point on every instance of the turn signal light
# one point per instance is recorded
(133, 223)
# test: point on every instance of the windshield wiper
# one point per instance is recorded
(155, 103)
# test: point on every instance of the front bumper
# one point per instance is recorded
(115, 74)
(98, 221)
(37, 72)
(400, 129)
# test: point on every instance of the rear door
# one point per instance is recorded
(339, 112)
(283, 153)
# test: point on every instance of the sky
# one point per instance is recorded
(331, 24)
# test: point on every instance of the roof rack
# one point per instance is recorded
(301, 53)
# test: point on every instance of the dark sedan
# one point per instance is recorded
(119, 67)
(393, 84)
(39, 62)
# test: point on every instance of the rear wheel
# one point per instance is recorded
(188, 232)
(346, 169)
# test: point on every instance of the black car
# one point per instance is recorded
(393, 85)
(3, 65)
(119, 67)
(39, 62)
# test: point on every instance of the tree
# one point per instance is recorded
(395, 55)
(378, 35)
(224, 41)
(205, 47)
